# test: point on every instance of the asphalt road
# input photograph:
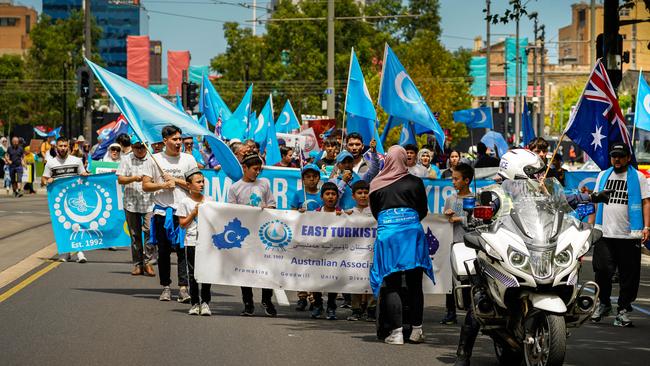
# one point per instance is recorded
(97, 313)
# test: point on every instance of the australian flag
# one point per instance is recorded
(598, 122)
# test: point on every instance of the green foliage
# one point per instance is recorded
(441, 76)
(563, 99)
(12, 72)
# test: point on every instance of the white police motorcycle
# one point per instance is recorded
(519, 267)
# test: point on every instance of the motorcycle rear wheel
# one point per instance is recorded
(548, 346)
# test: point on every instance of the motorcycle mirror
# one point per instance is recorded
(473, 240)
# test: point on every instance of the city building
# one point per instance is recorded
(16, 22)
(116, 20)
(575, 39)
(155, 62)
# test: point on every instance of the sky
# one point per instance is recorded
(196, 25)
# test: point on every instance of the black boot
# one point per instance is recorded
(465, 345)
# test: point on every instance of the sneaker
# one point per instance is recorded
(395, 337)
(356, 315)
(622, 319)
(601, 311)
(65, 257)
(166, 294)
(331, 314)
(346, 305)
(183, 295)
(316, 312)
(269, 309)
(417, 336)
(195, 310)
(449, 319)
(81, 258)
(205, 309)
(302, 305)
(249, 310)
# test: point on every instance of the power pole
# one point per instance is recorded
(331, 111)
(487, 53)
(87, 125)
(254, 17)
(542, 86)
(517, 82)
(592, 35)
(535, 116)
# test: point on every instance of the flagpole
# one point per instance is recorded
(345, 103)
(636, 108)
(548, 166)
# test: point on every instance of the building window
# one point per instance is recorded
(28, 23)
(625, 12)
(8, 22)
(582, 18)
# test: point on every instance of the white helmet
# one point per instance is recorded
(521, 164)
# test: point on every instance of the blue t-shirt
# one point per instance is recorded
(314, 200)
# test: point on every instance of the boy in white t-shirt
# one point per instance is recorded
(361, 195)
(257, 193)
(187, 212)
(164, 176)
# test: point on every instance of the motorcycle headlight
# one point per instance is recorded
(518, 259)
(563, 258)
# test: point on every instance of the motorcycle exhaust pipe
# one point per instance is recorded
(585, 303)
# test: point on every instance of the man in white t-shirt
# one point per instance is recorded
(625, 222)
(61, 166)
(164, 176)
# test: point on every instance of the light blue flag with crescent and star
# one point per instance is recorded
(236, 127)
(147, 114)
(270, 143)
(287, 120)
(407, 136)
(642, 106)
(475, 118)
(399, 96)
(87, 213)
(260, 127)
(359, 109)
(211, 104)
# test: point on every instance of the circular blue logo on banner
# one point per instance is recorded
(275, 235)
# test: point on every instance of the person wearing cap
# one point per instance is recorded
(346, 177)
(137, 208)
(625, 223)
(113, 153)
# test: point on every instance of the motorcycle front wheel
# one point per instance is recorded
(545, 343)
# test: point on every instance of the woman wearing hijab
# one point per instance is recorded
(454, 159)
(425, 157)
(398, 202)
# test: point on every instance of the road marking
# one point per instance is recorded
(19, 269)
(12, 291)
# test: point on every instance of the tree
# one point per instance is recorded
(12, 94)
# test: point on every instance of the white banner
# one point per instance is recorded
(311, 251)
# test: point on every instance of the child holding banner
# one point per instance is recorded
(307, 199)
(188, 212)
(251, 191)
(329, 193)
(461, 177)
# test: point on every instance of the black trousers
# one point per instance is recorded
(331, 299)
(165, 252)
(190, 255)
(414, 297)
(247, 295)
(624, 254)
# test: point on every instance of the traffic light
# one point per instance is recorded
(284, 57)
(192, 95)
(85, 82)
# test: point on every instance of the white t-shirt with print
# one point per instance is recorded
(185, 206)
(616, 219)
(256, 194)
(60, 168)
(176, 166)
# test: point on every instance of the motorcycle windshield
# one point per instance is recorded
(537, 211)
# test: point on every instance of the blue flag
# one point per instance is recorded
(642, 106)
(87, 213)
(527, 125)
(597, 121)
(287, 120)
(407, 136)
(399, 96)
(475, 118)
(54, 133)
(236, 127)
(120, 127)
(493, 139)
(261, 126)
(210, 103)
(148, 113)
(179, 103)
(270, 143)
